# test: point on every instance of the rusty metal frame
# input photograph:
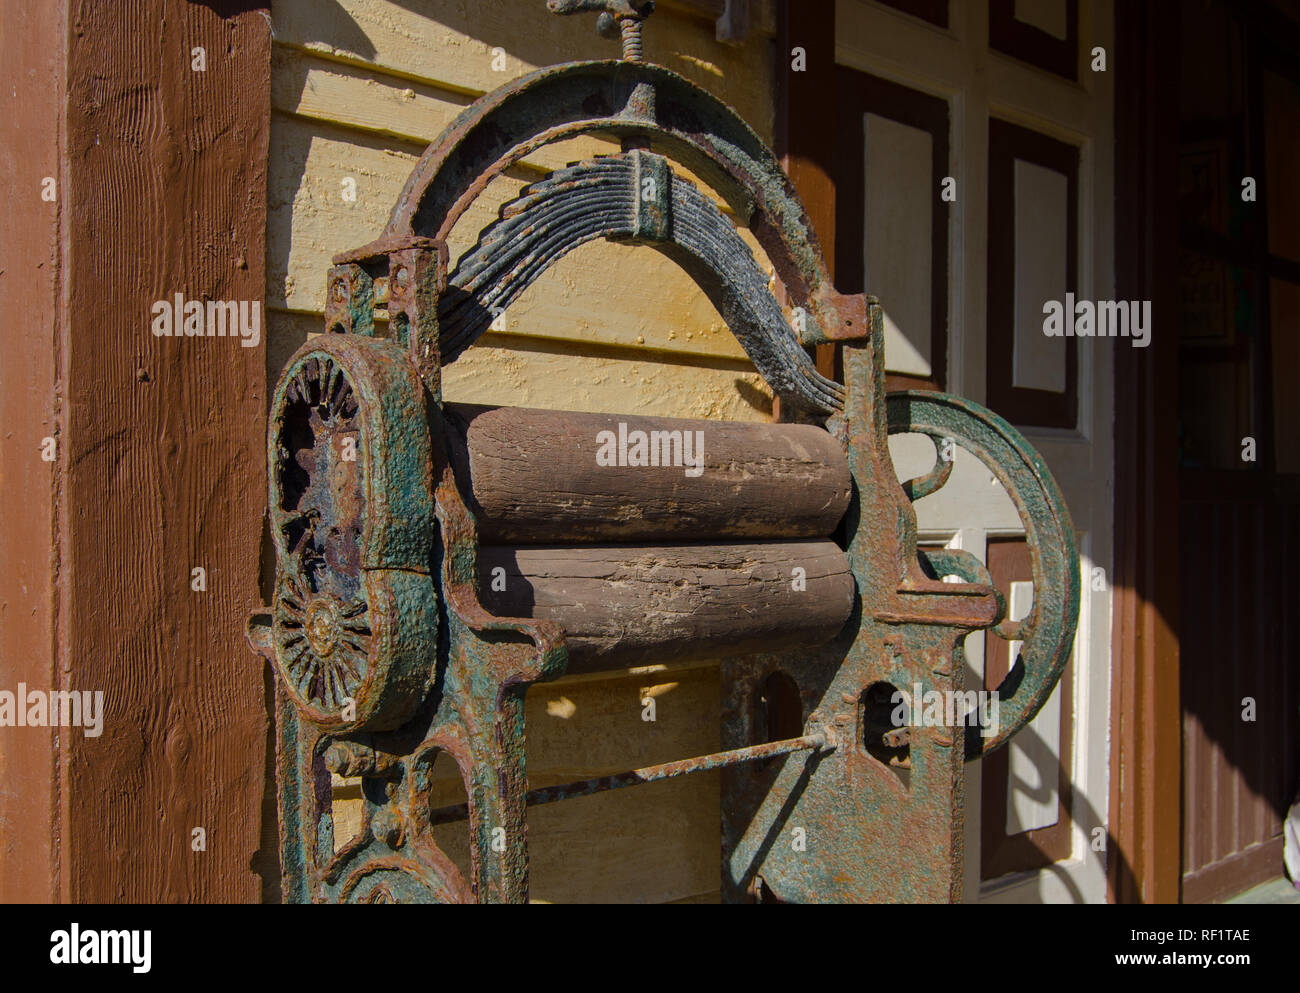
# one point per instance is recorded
(879, 809)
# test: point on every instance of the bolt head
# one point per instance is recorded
(323, 625)
(337, 759)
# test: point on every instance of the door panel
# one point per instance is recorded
(1033, 259)
(891, 152)
(1239, 421)
(1025, 790)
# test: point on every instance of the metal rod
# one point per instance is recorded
(650, 774)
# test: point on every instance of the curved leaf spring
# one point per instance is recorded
(597, 199)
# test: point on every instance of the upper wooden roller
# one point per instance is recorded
(545, 476)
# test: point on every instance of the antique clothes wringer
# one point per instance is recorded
(390, 510)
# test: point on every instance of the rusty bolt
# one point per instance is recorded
(897, 738)
(340, 292)
(347, 758)
(616, 17)
(387, 826)
(354, 758)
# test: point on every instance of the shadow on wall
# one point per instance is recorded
(524, 29)
(1084, 816)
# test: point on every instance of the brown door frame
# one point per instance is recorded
(1145, 822)
(805, 141)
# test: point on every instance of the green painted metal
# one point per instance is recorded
(354, 622)
(385, 656)
(875, 820)
(1047, 634)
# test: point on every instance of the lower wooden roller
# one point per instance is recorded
(623, 605)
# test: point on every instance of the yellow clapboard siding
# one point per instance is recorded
(492, 374)
(652, 843)
(629, 295)
(381, 104)
(378, 102)
(451, 43)
(602, 293)
(655, 843)
(580, 728)
(521, 372)
(308, 219)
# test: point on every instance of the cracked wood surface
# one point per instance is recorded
(534, 479)
(621, 605)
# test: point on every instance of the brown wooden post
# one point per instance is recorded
(161, 166)
(1144, 847)
(31, 37)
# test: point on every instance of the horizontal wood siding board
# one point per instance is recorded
(520, 371)
(453, 46)
(376, 102)
(587, 296)
(652, 844)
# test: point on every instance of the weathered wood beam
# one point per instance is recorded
(542, 476)
(624, 605)
(162, 452)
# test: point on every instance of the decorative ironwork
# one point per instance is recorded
(386, 656)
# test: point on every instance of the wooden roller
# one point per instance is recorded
(624, 605)
(550, 477)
